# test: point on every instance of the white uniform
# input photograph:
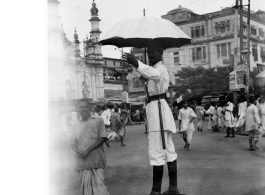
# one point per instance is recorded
(158, 84)
(185, 115)
(229, 118)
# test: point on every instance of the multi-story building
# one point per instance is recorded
(114, 70)
(213, 42)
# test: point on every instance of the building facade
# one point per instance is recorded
(114, 71)
(213, 38)
(71, 76)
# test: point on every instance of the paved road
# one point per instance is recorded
(215, 165)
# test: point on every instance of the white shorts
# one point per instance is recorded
(157, 155)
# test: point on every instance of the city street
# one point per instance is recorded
(214, 165)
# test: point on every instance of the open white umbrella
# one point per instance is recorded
(140, 31)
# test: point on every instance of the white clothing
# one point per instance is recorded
(219, 112)
(185, 115)
(229, 118)
(73, 117)
(158, 84)
(242, 109)
(252, 118)
(212, 112)
(157, 155)
(106, 116)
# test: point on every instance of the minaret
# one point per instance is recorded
(76, 45)
(92, 48)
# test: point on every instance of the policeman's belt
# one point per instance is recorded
(157, 97)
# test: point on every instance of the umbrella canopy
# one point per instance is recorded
(140, 31)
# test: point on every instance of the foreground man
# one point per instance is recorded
(88, 136)
(157, 86)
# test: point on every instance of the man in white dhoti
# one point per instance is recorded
(220, 116)
(157, 86)
(88, 136)
(199, 112)
(186, 126)
(242, 110)
(229, 118)
(253, 124)
(212, 117)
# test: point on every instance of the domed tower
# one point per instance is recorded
(76, 45)
(93, 49)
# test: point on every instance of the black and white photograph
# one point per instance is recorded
(154, 97)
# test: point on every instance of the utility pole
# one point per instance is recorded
(123, 75)
(241, 29)
(248, 56)
(242, 90)
(236, 46)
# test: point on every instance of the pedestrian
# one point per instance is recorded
(199, 112)
(212, 117)
(220, 116)
(87, 140)
(229, 118)
(242, 110)
(158, 115)
(106, 117)
(253, 124)
(186, 126)
(116, 125)
(176, 112)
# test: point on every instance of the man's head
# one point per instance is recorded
(253, 100)
(185, 105)
(155, 53)
(84, 108)
(116, 109)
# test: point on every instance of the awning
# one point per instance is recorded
(261, 75)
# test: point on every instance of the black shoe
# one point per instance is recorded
(227, 136)
(232, 136)
(171, 192)
(155, 193)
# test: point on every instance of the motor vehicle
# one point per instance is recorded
(208, 99)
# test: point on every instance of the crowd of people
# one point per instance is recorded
(225, 117)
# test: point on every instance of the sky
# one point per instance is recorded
(76, 13)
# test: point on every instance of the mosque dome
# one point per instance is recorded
(94, 9)
(179, 9)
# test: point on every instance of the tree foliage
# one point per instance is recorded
(197, 82)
